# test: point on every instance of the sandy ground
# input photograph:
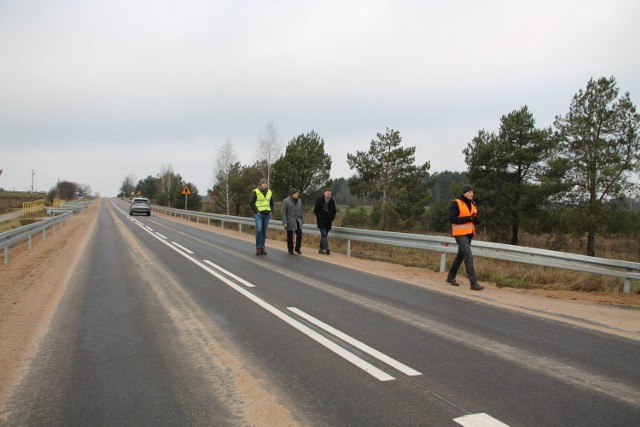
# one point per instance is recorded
(33, 282)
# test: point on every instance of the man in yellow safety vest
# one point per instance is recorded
(261, 202)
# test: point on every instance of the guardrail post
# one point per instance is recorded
(29, 242)
(443, 259)
(627, 285)
(6, 255)
(348, 247)
(44, 234)
(443, 262)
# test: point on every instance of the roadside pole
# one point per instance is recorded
(186, 192)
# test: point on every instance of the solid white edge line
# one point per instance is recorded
(365, 366)
(230, 274)
(479, 420)
(190, 252)
(358, 344)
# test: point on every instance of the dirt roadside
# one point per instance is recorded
(32, 284)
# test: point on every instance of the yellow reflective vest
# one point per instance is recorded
(263, 202)
(467, 227)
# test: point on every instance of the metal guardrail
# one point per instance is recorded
(20, 234)
(68, 207)
(447, 245)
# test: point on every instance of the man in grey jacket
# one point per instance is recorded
(292, 219)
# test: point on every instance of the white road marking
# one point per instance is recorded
(164, 237)
(190, 252)
(365, 366)
(479, 420)
(230, 274)
(360, 363)
(148, 228)
(358, 344)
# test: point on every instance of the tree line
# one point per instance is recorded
(578, 176)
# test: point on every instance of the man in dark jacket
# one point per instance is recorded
(463, 216)
(325, 211)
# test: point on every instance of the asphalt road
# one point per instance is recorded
(161, 318)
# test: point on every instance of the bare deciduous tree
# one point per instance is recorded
(165, 182)
(128, 185)
(269, 149)
(224, 162)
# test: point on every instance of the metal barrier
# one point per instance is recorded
(68, 207)
(20, 234)
(447, 245)
(31, 207)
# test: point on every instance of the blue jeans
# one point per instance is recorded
(464, 254)
(262, 223)
(324, 242)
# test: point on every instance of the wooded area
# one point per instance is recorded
(579, 177)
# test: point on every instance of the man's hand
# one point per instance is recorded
(475, 218)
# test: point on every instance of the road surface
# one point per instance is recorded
(164, 324)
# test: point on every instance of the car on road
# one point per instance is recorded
(140, 205)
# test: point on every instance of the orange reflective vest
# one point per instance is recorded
(466, 227)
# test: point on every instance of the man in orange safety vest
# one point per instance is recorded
(463, 216)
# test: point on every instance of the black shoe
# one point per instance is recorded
(476, 287)
(452, 282)
(298, 251)
(258, 251)
(262, 251)
(328, 251)
(322, 251)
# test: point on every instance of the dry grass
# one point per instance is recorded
(613, 247)
(15, 223)
(14, 200)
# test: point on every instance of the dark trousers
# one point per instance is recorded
(298, 232)
(464, 254)
(324, 241)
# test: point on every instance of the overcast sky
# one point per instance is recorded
(94, 91)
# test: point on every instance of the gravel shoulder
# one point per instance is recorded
(33, 282)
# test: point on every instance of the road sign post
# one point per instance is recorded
(186, 193)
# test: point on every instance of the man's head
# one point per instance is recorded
(294, 193)
(327, 192)
(467, 191)
(263, 184)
